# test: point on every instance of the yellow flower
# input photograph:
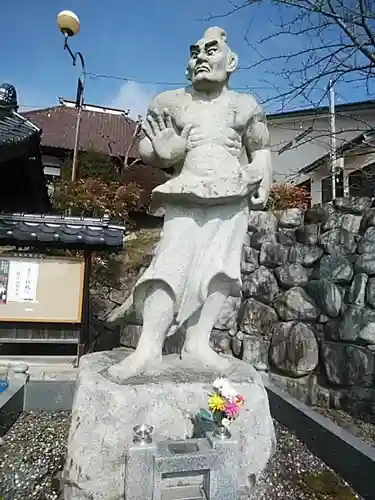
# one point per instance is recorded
(216, 402)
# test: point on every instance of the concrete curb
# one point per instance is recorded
(12, 401)
(348, 455)
(49, 395)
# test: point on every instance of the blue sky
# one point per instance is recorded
(143, 40)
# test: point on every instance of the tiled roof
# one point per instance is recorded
(346, 107)
(362, 139)
(59, 231)
(107, 133)
(14, 129)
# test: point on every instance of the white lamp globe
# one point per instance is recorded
(68, 23)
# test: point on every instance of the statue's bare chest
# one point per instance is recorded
(215, 116)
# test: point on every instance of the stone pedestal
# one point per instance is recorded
(168, 398)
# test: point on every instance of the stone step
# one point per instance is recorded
(41, 367)
(184, 493)
(37, 360)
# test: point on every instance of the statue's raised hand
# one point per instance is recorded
(168, 144)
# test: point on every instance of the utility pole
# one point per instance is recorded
(332, 136)
(69, 26)
(79, 106)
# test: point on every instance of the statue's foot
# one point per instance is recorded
(205, 356)
(135, 364)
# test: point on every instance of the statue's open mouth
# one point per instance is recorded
(202, 69)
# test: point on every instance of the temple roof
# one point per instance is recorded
(102, 130)
(15, 129)
(56, 231)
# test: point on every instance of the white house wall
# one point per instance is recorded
(316, 144)
(316, 183)
(348, 164)
(287, 164)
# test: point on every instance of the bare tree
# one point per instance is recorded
(135, 128)
(315, 41)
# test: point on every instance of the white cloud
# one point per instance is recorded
(134, 97)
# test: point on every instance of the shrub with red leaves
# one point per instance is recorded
(283, 196)
(99, 190)
(95, 198)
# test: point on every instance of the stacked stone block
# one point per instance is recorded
(309, 296)
(308, 300)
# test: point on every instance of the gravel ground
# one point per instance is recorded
(295, 473)
(362, 426)
(33, 453)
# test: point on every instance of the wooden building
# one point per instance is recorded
(28, 231)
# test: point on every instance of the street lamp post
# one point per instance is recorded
(69, 25)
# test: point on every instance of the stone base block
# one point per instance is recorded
(169, 399)
(304, 388)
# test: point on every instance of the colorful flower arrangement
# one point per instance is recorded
(224, 403)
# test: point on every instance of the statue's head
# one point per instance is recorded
(211, 61)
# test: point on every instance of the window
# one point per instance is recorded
(362, 182)
(327, 187)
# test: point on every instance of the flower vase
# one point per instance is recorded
(222, 432)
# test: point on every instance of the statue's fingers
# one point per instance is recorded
(152, 124)
(234, 140)
(146, 131)
(194, 134)
(233, 150)
(254, 181)
(233, 144)
(196, 137)
(168, 119)
(159, 120)
(186, 131)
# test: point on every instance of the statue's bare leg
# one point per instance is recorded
(157, 318)
(198, 332)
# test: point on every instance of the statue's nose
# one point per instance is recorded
(202, 57)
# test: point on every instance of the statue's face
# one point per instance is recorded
(209, 63)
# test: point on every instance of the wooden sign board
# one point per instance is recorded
(41, 289)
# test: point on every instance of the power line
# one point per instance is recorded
(141, 82)
(275, 88)
(94, 76)
(167, 84)
(30, 106)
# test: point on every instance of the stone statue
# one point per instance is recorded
(216, 141)
(218, 144)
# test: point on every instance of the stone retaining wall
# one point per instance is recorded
(308, 308)
(308, 302)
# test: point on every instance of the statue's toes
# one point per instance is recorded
(120, 372)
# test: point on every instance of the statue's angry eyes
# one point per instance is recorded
(209, 49)
(210, 52)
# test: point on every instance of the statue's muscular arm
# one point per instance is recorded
(257, 143)
(163, 146)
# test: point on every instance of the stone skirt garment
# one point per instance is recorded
(211, 175)
(199, 248)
